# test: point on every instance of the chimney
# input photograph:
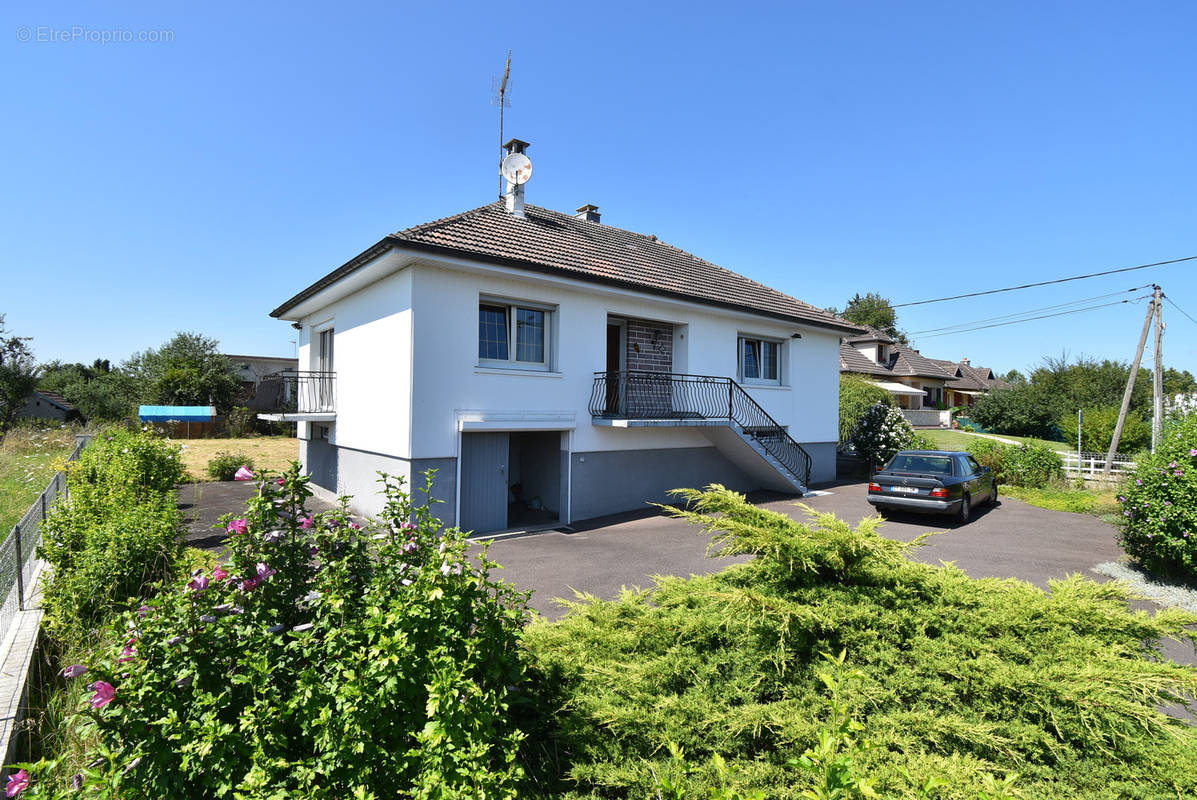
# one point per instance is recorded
(588, 212)
(514, 198)
(964, 361)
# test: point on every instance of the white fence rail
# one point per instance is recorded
(1093, 465)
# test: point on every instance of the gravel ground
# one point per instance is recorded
(1164, 594)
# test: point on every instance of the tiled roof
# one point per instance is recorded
(560, 244)
(911, 362)
(852, 360)
(871, 334)
(56, 399)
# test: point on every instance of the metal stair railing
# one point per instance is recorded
(638, 394)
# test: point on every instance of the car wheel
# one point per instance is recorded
(993, 494)
(965, 510)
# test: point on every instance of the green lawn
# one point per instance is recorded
(955, 440)
(27, 458)
(274, 453)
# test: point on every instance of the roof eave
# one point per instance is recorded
(348, 268)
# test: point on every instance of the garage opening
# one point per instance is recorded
(512, 479)
(533, 478)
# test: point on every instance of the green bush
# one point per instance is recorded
(857, 396)
(1031, 465)
(1159, 505)
(956, 680)
(1021, 410)
(323, 660)
(123, 467)
(112, 560)
(114, 536)
(1098, 430)
(883, 431)
(224, 465)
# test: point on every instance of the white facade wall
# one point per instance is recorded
(449, 383)
(372, 358)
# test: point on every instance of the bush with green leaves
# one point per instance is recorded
(956, 683)
(883, 431)
(1158, 525)
(119, 557)
(323, 659)
(224, 465)
(858, 395)
(1030, 465)
(1097, 431)
(114, 536)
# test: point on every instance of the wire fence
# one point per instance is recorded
(18, 552)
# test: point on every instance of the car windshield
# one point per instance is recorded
(932, 465)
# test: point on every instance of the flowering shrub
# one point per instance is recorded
(858, 395)
(323, 659)
(881, 432)
(1159, 505)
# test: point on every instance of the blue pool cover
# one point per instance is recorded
(177, 413)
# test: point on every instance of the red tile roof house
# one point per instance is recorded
(920, 385)
(553, 368)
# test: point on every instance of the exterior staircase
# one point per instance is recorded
(733, 422)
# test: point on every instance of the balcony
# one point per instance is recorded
(636, 399)
(297, 397)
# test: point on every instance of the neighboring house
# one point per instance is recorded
(48, 405)
(252, 369)
(968, 382)
(553, 368)
(265, 380)
(923, 387)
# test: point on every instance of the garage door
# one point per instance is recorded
(483, 481)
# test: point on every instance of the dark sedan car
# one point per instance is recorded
(933, 481)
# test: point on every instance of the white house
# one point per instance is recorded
(553, 368)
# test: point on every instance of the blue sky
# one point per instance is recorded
(918, 149)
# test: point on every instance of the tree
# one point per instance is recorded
(857, 396)
(186, 371)
(1013, 376)
(16, 376)
(97, 391)
(875, 311)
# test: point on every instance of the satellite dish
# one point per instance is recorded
(516, 168)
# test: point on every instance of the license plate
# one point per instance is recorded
(904, 489)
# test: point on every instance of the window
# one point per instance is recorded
(514, 335)
(760, 360)
(325, 352)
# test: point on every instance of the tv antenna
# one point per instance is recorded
(499, 88)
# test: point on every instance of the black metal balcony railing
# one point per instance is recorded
(633, 394)
(297, 393)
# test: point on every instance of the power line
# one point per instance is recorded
(1029, 311)
(1045, 283)
(1041, 316)
(1178, 308)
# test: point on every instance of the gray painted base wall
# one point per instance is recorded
(603, 482)
(355, 473)
(606, 482)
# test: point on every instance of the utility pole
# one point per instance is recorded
(1157, 411)
(1130, 388)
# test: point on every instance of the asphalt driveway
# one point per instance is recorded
(1010, 540)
